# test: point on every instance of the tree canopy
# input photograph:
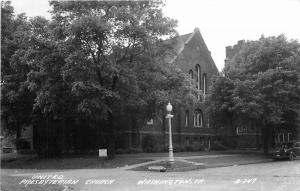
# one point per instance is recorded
(93, 62)
(260, 86)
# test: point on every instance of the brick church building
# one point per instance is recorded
(190, 126)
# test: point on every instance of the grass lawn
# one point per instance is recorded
(72, 162)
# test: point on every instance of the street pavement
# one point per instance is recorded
(269, 176)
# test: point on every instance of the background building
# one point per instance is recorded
(251, 137)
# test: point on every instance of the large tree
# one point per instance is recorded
(260, 86)
(115, 57)
(16, 99)
(96, 62)
(32, 90)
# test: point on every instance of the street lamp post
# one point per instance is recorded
(169, 116)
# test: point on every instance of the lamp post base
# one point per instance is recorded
(170, 163)
(171, 158)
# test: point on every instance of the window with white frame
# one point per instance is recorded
(198, 118)
(187, 116)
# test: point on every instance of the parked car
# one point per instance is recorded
(287, 152)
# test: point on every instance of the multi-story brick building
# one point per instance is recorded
(240, 136)
(189, 125)
(250, 137)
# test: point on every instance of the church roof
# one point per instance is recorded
(179, 43)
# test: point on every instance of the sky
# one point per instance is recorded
(221, 22)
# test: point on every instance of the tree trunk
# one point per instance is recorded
(98, 137)
(63, 132)
(258, 139)
(19, 130)
(111, 128)
(130, 133)
(111, 137)
(266, 139)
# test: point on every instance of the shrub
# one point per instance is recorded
(162, 148)
(22, 144)
(149, 144)
(177, 148)
(51, 149)
(198, 147)
(218, 147)
(128, 150)
(135, 150)
(190, 148)
(122, 151)
(26, 151)
(195, 147)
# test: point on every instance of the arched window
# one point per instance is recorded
(198, 75)
(198, 118)
(186, 119)
(198, 78)
(204, 85)
(191, 74)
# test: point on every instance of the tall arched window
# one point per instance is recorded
(204, 85)
(186, 119)
(198, 78)
(198, 118)
(191, 74)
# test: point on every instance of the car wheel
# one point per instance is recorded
(291, 157)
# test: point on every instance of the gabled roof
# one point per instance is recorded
(183, 40)
(179, 44)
